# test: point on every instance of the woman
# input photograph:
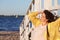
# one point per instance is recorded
(46, 21)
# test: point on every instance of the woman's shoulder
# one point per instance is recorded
(55, 23)
(58, 19)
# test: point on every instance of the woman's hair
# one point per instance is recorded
(49, 16)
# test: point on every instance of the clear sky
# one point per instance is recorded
(14, 6)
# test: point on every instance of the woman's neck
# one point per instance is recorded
(44, 23)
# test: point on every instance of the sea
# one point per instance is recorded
(10, 23)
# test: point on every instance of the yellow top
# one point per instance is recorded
(52, 27)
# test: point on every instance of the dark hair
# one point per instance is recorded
(49, 16)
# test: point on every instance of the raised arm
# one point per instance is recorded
(33, 19)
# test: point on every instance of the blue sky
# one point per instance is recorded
(14, 6)
(20, 7)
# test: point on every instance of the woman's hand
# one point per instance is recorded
(40, 12)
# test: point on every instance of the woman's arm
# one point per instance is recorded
(33, 19)
(53, 27)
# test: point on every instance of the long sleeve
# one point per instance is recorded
(53, 28)
(33, 19)
(58, 21)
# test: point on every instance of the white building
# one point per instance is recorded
(36, 5)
